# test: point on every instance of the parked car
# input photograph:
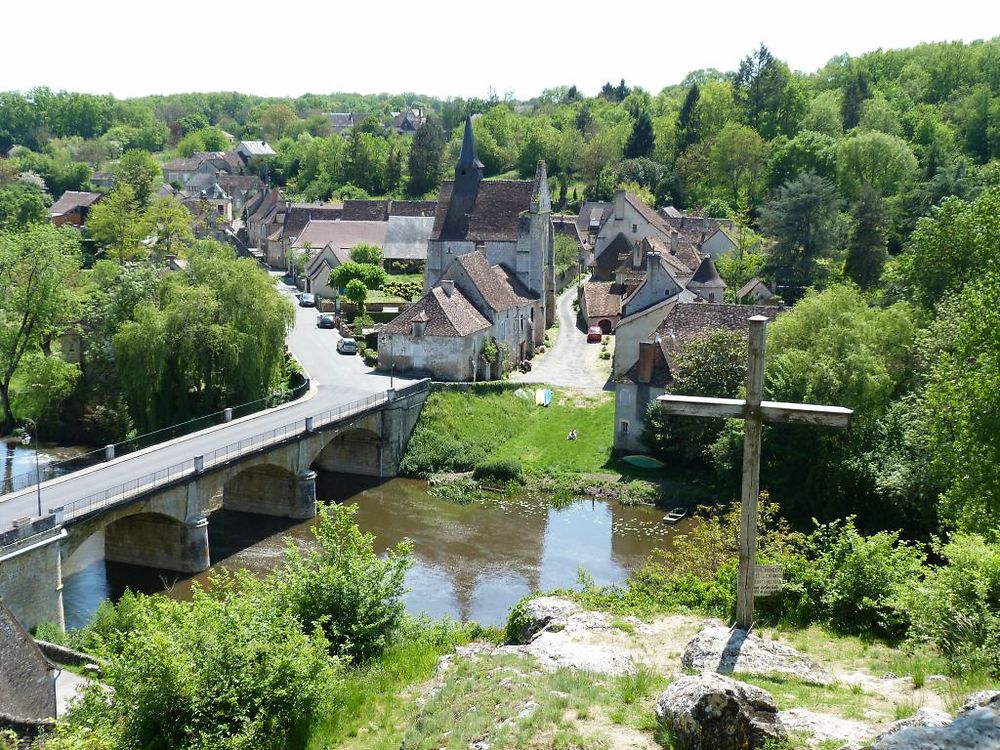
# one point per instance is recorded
(326, 320)
(307, 300)
(347, 346)
(594, 335)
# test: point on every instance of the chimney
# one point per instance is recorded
(619, 205)
(674, 241)
(448, 286)
(637, 255)
(647, 360)
(652, 261)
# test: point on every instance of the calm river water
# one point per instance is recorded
(470, 562)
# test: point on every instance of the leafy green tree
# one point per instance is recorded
(866, 253)
(767, 94)
(20, 205)
(276, 119)
(357, 293)
(883, 161)
(424, 160)
(738, 160)
(952, 248)
(37, 265)
(808, 151)
(687, 119)
(855, 91)
(140, 172)
(373, 277)
(366, 253)
(117, 224)
(804, 220)
(823, 114)
(169, 222)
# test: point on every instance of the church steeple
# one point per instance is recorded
(468, 160)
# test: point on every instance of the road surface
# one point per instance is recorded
(571, 362)
(337, 379)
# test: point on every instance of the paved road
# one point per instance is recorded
(571, 362)
(337, 379)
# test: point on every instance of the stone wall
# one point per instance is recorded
(27, 680)
(31, 573)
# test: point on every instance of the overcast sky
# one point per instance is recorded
(442, 47)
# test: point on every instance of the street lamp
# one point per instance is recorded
(26, 440)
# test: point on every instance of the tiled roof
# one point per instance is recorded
(72, 199)
(445, 315)
(341, 234)
(600, 300)
(366, 210)
(645, 211)
(497, 288)
(750, 286)
(494, 215)
(413, 208)
(686, 256)
(300, 214)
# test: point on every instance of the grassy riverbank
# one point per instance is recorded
(487, 424)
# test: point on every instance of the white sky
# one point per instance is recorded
(442, 47)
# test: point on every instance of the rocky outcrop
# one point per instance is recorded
(559, 634)
(982, 699)
(824, 727)
(719, 649)
(714, 712)
(975, 728)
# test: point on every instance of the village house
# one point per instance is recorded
(710, 236)
(409, 121)
(287, 225)
(337, 237)
(342, 122)
(252, 151)
(656, 360)
(72, 208)
(756, 291)
(471, 325)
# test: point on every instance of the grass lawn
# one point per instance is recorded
(405, 277)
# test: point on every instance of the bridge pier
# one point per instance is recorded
(31, 572)
(156, 541)
(305, 496)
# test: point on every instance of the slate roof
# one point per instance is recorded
(298, 215)
(73, 199)
(406, 237)
(494, 216)
(563, 224)
(591, 216)
(615, 253)
(686, 260)
(256, 148)
(707, 274)
(600, 300)
(423, 209)
(319, 233)
(240, 183)
(750, 286)
(365, 210)
(686, 322)
(445, 315)
(500, 289)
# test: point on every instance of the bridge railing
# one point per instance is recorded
(149, 482)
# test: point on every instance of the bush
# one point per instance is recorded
(499, 471)
(344, 588)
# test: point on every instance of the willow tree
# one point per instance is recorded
(37, 265)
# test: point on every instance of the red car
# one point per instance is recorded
(594, 335)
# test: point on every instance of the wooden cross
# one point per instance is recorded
(754, 412)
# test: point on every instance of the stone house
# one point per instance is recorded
(27, 678)
(445, 333)
(287, 225)
(656, 360)
(341, 236)
(756, 291)
(509, 221)
(317, 271)
(251, 151)
(409, 121)
(710, 236)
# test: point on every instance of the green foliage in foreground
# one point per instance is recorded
(872, 586)
(247, 663)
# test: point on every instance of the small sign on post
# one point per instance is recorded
(768, 580)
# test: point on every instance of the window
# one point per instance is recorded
(635, 229)
(624, 427)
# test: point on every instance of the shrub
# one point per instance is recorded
(343, 587)
(499, 471)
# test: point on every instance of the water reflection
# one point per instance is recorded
(470, 562)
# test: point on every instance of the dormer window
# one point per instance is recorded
(417, 328)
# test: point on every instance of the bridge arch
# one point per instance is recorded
(356, 450)
(271, 489)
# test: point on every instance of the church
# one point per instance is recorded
(489, 283)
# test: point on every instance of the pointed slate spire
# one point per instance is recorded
(468, 159)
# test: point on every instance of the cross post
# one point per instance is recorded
(754, 411)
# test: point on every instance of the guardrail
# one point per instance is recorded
(195, 465)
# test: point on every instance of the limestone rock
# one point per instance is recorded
(977, 729)
(545, 612)
(717, 649)
(824, 727)
(980, 699)
(714, 712)
(925, 717)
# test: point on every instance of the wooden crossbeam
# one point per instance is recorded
(769, 411)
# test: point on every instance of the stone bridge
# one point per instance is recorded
(161, 520)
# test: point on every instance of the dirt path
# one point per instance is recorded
(571, 362)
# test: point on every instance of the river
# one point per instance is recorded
(471, 562)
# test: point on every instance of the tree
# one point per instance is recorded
(140, 172)
(883, 161)
(116, 224)
(366, 253)
(36, 266)
(687, 119)
(767, 95)
(641, 141)
(804, 219)
(856, 91)
(955, 246)
(169, 222)
(866, 252)
(21, 204)
(276, 119)
(738, 156)
(357, 293)
(373, 277)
